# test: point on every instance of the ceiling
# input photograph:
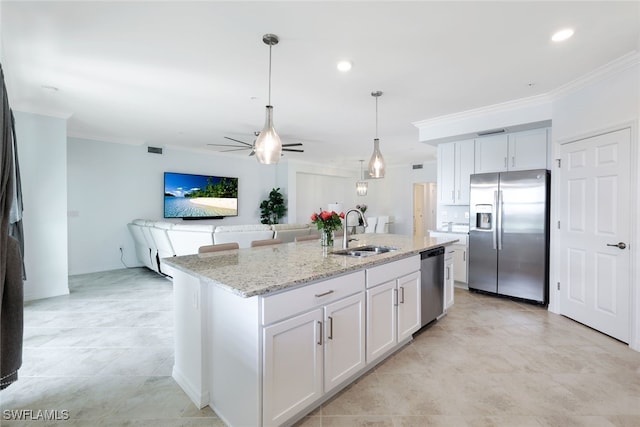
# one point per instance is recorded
(178, 73)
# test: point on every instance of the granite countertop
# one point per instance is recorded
(261, 270)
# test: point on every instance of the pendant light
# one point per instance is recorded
(361, 186)
(376, 164)
(268, 145)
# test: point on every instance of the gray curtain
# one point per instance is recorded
(11, 262)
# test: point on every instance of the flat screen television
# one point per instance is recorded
(190, 196)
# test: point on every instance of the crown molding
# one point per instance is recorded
(515, 104)
(603, 72)
(611, 68)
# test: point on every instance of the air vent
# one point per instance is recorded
(491, 132)
(154, 150)
(420, 166)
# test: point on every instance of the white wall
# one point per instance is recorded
(42, 151)
(111, 184)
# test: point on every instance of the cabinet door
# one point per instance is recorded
(448, 278)
(446, 173)
(460, 263)
(528, 150)
(381, 319)
(491, 154)
(465, 166)
(408, 305)
(344, 351)
(292, 366)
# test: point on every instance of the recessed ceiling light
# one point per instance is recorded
(344, 66)
(562, 35)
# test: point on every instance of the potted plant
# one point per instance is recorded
(273, 208)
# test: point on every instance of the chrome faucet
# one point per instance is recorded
(345, 240)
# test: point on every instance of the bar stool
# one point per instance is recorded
(218, 247)
(265, 242)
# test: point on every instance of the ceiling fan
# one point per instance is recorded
(252, 146)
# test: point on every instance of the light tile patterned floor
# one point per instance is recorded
(105, 352)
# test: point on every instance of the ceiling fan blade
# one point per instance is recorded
(235, 149)
(292, 145)
(227, 145)
(237, 140)
(293, 149)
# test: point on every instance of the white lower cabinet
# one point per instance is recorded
(393, 314)
(292, 366)
(308, 355)
(460, 263)
(449, 277)
(344, 349)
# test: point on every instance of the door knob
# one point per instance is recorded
(620, 245)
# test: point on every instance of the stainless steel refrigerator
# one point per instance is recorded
(509, 234)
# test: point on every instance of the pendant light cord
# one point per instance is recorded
(376, 117)
(270, 46)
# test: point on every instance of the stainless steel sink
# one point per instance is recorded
(364, 251)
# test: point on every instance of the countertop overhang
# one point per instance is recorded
(262, 270)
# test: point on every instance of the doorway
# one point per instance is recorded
(424, 208)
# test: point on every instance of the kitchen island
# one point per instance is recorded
(264, 335)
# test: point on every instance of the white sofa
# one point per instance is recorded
(156, 240)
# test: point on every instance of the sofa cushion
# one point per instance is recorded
(241, 228)
(243, 235)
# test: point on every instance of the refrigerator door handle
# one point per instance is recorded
(499, 220)
(494, 226)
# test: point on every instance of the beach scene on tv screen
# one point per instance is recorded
(188, 196)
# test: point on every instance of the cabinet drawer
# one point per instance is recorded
(288, 303)
(391, 271)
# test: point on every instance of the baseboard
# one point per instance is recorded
(197, 397)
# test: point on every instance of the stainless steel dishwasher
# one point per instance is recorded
(432, 284)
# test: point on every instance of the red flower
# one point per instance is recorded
(314, 217)
(342, 215)
(324, 215)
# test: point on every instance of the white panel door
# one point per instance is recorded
(594, 233)
(292, 366)
(344, 350)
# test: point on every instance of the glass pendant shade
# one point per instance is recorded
(268, 144)
(361, 188)
(376, 164)
(362, 185)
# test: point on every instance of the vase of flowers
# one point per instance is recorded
(363, 209)
(327, 222)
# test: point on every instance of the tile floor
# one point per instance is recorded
(104, 354)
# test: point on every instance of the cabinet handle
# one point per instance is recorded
(464, 255)
(453, 195)
(324, 294)
(402, 294)
(505, 162)
(458, 194)
(330, 327)
(513, 161)
(395, 297)
(320, 333)
(447, 272)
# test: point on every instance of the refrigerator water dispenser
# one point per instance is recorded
(484, 217)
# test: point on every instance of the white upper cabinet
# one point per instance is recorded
(510, 152)
(455, 165)
(528, 150)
